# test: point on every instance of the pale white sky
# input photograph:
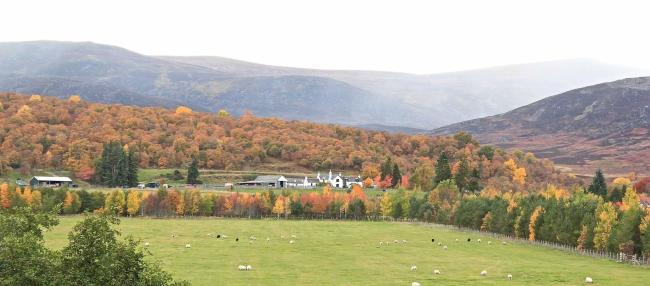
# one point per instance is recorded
(409, 36)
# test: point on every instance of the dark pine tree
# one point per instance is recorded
(474, 181)
(122, 167)
(443, 171)
(598, 185)
(462, 175)
(193, 172)
(396, 177)
(386, 168)
(112, 168)
(132, 169)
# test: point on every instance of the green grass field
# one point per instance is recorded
(347, 253)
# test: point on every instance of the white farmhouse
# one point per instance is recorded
(340, 181)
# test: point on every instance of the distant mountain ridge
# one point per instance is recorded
(115, 75)
(601, 126)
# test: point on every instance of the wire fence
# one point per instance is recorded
(618, 257)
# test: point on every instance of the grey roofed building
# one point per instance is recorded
(44, 181)
(271, 181)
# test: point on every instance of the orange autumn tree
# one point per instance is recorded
(35, 98)
(358, 193)
(519, 176)
(368, 183)
(27, 196)
(71, 203)
(510, 164)
(74, 99)
(132, 203)
(174, 200)
(279, 207)
(534, 217)
(5, 200)
(183, 110)
(25, 110)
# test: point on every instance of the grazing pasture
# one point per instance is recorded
(352, 253)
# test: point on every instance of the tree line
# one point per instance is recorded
(579, 216)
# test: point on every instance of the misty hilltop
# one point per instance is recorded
(111, 74)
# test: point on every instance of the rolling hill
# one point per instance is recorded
(601, 126)
(440, 99)
(112, 74)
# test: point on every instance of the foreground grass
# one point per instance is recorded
(347, 253)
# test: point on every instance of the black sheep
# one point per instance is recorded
(433, 239)
(469, 239)
(237, 239)
(218, 235)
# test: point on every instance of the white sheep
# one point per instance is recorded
(509, 276)
(415, 284)
(146, 244)
(479, 240)
(503, 242)
(444, 247)
(381, 243)
(188, 246)
(292, 241)
(396, 241)
(414, 268)
(589, 280)
(268, 239)
(436, 271)
(489, 242)
(248, 267)
(439, 243)
(293, 236)
(224, 236)
(456, 239)
(241, 267)
(484, 273)
(404, 241)
(252, 238)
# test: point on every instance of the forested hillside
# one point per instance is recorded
(47, 132)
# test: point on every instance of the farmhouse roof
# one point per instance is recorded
(269, 178)
(53, 179)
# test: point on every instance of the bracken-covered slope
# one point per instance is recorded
(602, 126)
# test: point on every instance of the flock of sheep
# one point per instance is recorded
(381, 243)
(444, 247)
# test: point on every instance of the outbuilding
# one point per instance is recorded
(41, 181)
(266, 182)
